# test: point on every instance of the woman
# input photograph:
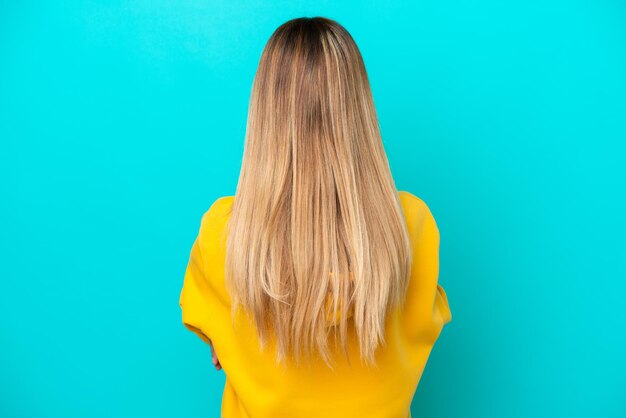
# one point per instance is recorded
(316, 284)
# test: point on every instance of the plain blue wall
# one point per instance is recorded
(120, 122)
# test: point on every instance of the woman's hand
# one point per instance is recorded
(216, 361)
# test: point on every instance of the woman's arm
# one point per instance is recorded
(216, 361)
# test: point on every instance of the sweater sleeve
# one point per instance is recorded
(427, 308)
(194, 300)
(441, 307)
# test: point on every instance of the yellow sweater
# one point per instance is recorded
(256, 388)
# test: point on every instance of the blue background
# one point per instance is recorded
(121, 122)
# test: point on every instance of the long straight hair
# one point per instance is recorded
(316, 228)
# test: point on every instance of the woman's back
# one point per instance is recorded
(257, 387)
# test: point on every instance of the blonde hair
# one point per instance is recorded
(315, 196)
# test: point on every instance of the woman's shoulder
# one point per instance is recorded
(214, 220)
(414, 206)
(219, 209)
